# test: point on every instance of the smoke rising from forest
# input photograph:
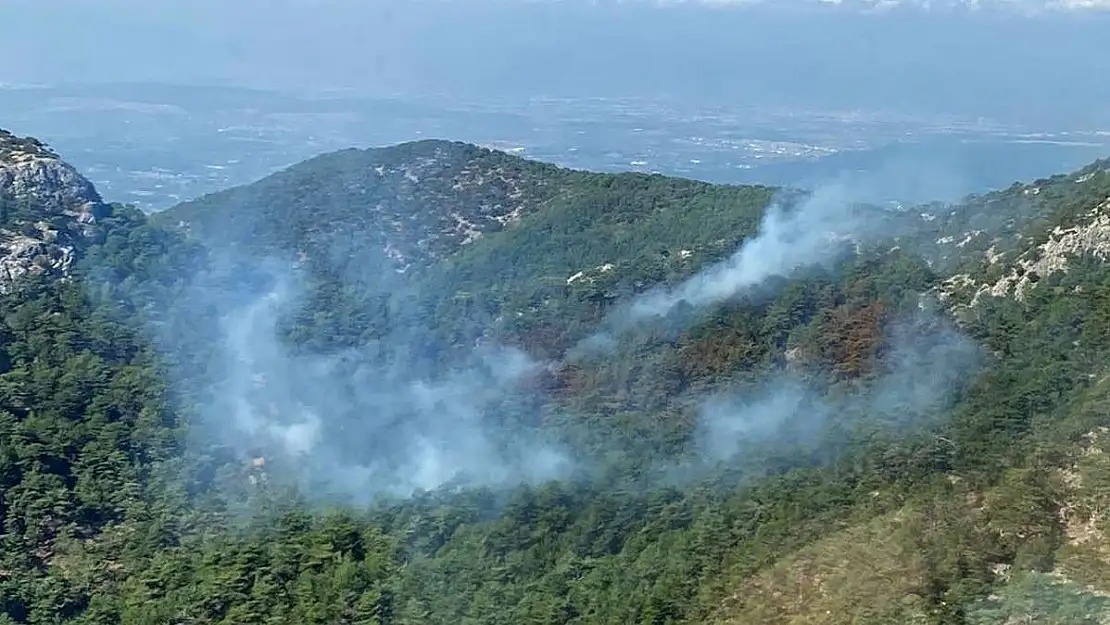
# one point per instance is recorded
(355, 422)
(341, 424)
(789, 238)
(923, 365)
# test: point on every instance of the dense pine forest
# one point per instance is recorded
(911, 430)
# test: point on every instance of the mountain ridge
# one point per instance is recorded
(478, 175)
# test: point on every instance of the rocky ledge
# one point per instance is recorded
(48, 210)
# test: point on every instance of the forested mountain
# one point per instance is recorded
(438, 384)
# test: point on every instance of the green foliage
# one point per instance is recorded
(105, 517)
(1040, 598)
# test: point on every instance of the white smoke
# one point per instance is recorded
(350, 429)
(926, 363)
(789, 238)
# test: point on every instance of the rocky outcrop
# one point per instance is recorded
(22, 255)
(48, 211)
(1089, 237)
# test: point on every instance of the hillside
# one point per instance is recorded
(434, 383)
(475, 191)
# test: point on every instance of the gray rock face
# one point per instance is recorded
(49, 211)
(23, 255)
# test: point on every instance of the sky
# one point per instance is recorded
(788, 52)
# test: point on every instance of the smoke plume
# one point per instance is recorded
(357, 422)
(790, 237)
(347, 425)
(925, 365)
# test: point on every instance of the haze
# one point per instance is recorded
(1046, 67)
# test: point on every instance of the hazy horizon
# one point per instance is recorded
(996, 64)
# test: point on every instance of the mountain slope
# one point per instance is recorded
(423, 201)
(508, 235)
(557, 270)
(84, 413)
(474, 191)
(869, 437)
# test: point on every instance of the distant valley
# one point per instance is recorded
(156, 145)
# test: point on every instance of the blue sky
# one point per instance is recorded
(815, 55)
